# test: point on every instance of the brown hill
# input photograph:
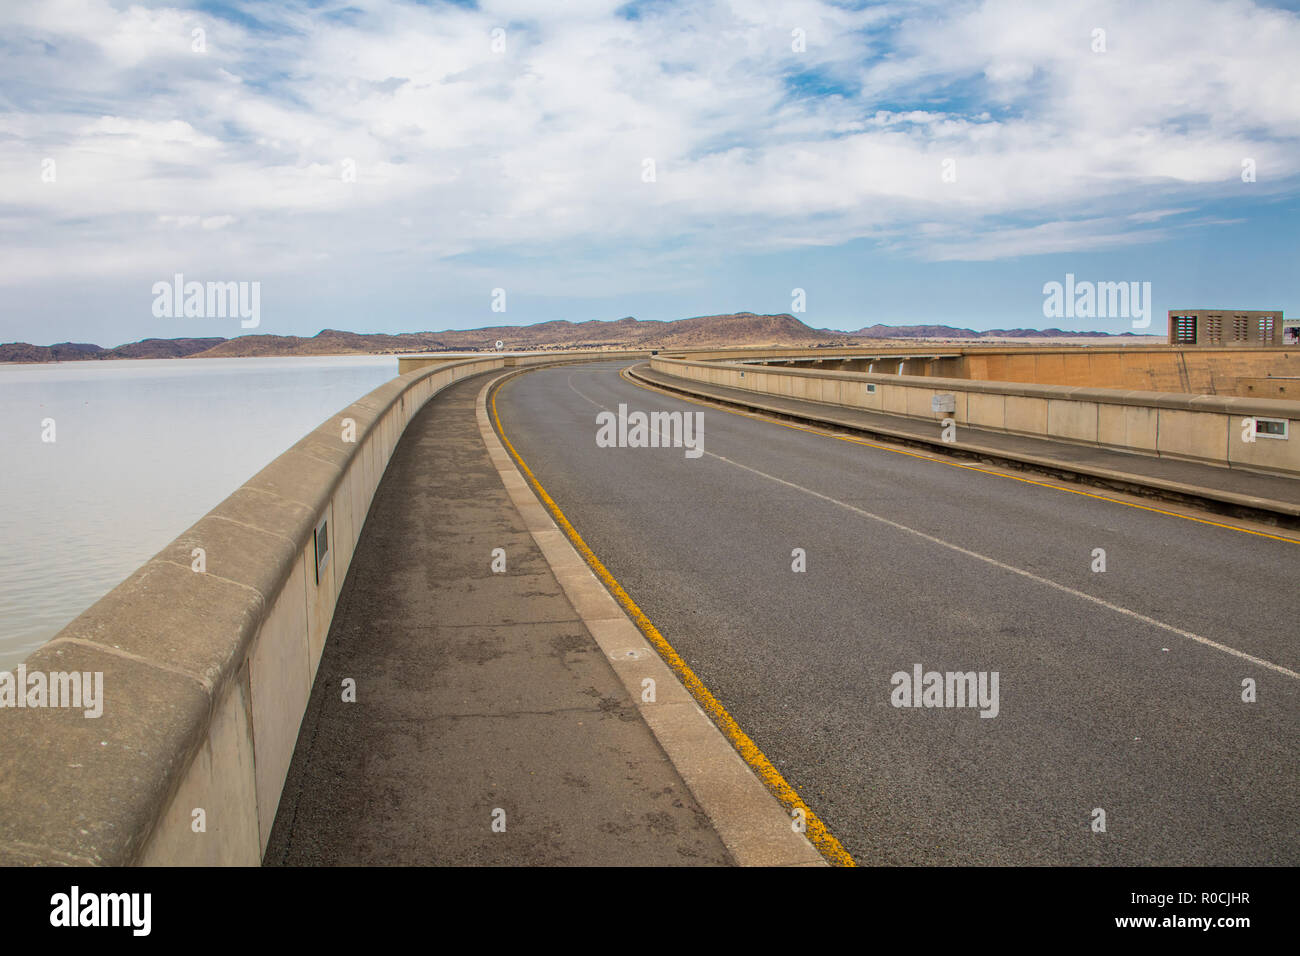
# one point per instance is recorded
(78, 352)
(163, 348)
(61, 352)
(705, 331)
(326, 342)
(743, 328)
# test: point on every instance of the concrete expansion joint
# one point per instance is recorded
(276, 495)
(323, 461)
(208, 574)
(202, 681)
(252, 527)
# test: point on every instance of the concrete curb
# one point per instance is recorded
(1282, 513)
(751, 822)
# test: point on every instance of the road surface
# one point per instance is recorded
(1119, 691)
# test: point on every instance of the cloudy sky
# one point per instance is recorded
(386, 166)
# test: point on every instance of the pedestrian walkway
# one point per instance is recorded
(488, 727)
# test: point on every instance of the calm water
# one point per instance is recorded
(143, 449)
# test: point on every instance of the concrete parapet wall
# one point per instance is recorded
(1201, 428)
(206, 675)
(409, 363)
(1246, 372)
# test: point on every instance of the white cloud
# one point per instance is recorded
(542, 145)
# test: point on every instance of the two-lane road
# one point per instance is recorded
(1118, 690)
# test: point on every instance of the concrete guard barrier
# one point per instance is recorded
(207, 674)
(1204, 428)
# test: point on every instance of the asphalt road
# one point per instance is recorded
(1109, 696)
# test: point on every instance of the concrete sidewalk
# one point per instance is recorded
(1273, 495)
(476, 692)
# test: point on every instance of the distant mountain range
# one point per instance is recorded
(948, 332)
(77, 351)
(705, 331)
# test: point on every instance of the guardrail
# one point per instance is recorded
(1205, 428)
(206, 658)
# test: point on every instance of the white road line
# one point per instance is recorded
(1020, 571)
(584, 397)
(1118, 609)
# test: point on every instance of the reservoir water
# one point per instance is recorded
(142, 449)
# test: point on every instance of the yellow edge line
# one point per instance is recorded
(953, 464)
(817, 833)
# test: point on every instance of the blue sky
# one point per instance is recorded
(386, 166)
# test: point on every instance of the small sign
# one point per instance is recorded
(943, 403)
(1272, 428)
(322, 537)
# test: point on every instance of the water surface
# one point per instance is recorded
(143, 449)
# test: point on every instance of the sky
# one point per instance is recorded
(405, 166)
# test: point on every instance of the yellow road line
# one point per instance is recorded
(816, 831)
(953, 464)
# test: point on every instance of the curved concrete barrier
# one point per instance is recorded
(207, 655)
(1205, 428)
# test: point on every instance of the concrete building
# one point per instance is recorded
(1228, 328)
